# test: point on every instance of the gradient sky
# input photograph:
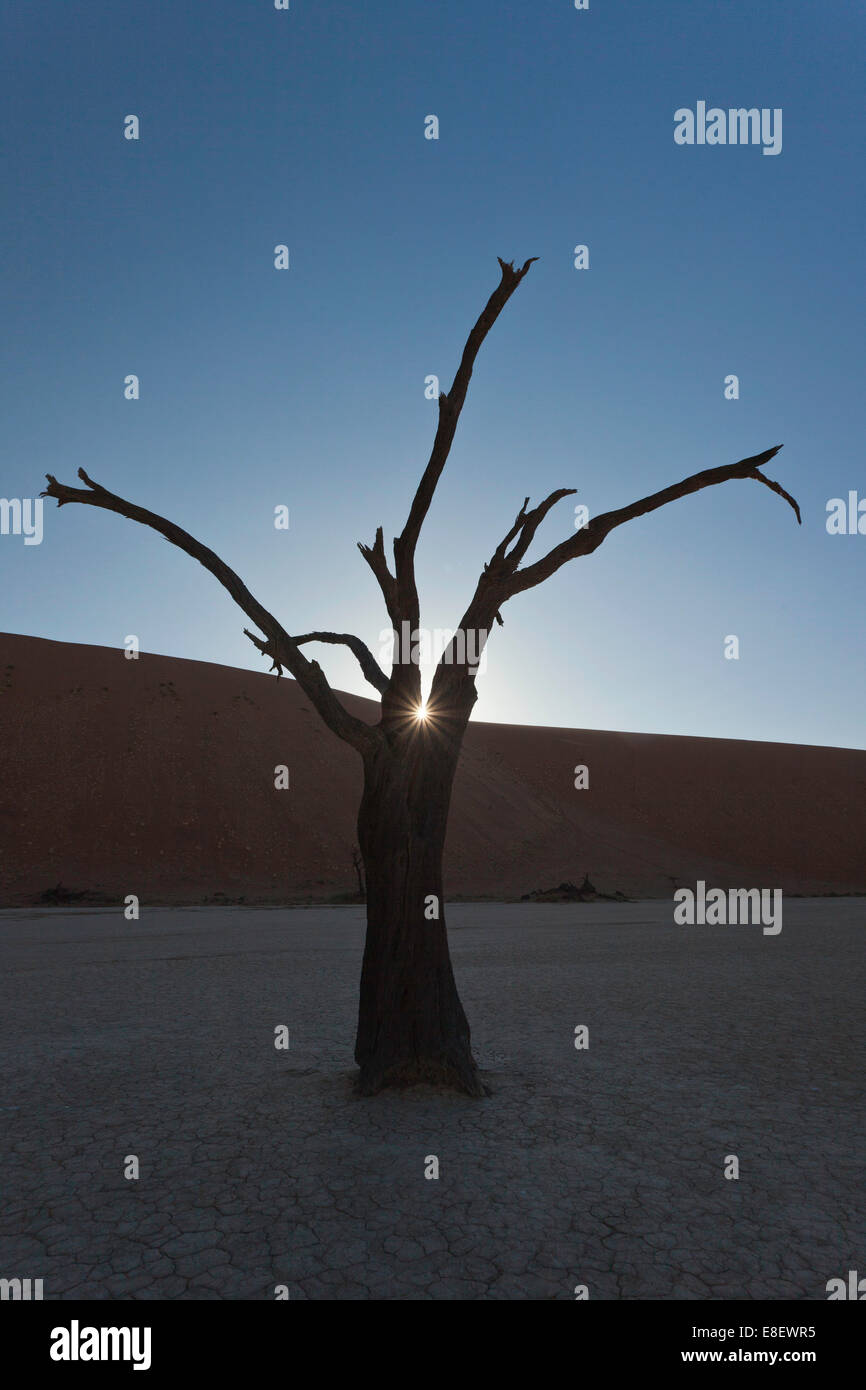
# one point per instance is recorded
(306, 387)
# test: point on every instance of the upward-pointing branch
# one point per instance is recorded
(525, 526)
(450, 406)
(401, 594)
(375, 556)
(281, 647)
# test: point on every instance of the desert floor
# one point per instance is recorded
(602, 1167)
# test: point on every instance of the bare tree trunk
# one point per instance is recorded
(411, 1024)
(359, 870)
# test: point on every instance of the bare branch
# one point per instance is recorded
(366, 660)
(519, 521)
(450, 406)
(369, 665)
(278, 644)
(501, 579)
(267, 648)
(588, 539)
(404, 691)
(375, 556)
(525, 526)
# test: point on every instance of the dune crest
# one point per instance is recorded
(156, 777)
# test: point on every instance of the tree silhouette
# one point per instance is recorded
(411, 1024)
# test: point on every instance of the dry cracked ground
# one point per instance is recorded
(602, 1166)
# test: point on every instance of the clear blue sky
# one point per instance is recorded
(306, 387)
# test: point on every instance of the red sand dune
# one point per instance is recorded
(156, 777)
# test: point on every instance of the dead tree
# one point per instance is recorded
(411, 1024)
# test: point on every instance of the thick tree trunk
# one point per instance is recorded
(411, 1024)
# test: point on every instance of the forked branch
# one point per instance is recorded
(375, 556)
(526, 524)
(502, 579)
(588, 539)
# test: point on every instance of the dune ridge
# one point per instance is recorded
(156, 777)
